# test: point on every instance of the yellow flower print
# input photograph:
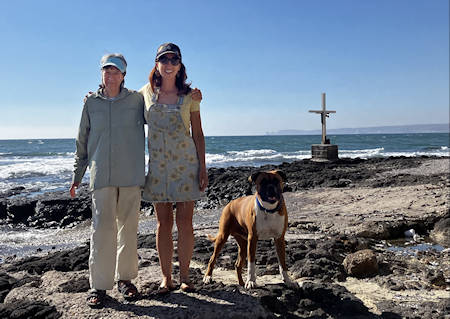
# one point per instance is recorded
(181, 168)
(182, 145)
(155, 181)
(154, 136)
(175, 157)
(192, 176)
(171, 134)
(173, 119)
(162, 165)
(179, 127)
(191, 159)
(186, 188)
(174, 176)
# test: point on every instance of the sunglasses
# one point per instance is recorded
(174, 61)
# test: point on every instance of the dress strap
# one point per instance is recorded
(155, 96)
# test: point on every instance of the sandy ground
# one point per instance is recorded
(343, 210)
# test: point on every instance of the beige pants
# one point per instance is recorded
(113, 255)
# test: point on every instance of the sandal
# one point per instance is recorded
(96, 298)
(162, 290)
(187, 286)
(127, 289)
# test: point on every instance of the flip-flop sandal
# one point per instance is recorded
(127, 289)
(96, 298)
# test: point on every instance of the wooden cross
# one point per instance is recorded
(323, 115)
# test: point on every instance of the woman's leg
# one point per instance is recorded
(185, 245)
(164, 242)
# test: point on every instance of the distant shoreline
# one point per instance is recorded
(398, 129)
(394, 129)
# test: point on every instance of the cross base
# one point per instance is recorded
(324, 152)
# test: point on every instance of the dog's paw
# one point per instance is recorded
(291, 283)
(250, 284)
(287, 279)
(207, 279)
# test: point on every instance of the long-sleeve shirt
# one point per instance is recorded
(111, 141)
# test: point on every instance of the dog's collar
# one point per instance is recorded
(270, 211)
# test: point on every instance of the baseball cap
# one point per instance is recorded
(114, 61)
(168, 48)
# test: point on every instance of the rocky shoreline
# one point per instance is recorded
(57, 209)
(344, 220)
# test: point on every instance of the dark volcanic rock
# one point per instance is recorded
(12, 191)
(312, 300)
(146, 241)
(231, 183)
(74, 286)
(305, 258)
(59, 210)
(441, 232)
(19, 210)
(54, 209)
(63, 211)
(362, 263)
(27, 309)
(3, 210)
(424, 310)
(6, 284)
(68, 260)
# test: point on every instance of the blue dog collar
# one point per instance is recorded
(270, 211)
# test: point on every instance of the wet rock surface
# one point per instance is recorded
(49, 210)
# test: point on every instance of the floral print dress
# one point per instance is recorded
(173, 163)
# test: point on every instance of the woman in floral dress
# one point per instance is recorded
(177, 170)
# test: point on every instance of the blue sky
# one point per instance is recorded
(261, 65)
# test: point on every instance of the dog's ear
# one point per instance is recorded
(282, 175)
(252, 178)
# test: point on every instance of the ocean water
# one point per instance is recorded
(43, 165)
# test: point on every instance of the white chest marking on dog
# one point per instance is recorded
(268, 225)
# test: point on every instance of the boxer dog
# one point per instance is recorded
(250, 218)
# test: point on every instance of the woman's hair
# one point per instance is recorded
(115, 55)
(183, 87)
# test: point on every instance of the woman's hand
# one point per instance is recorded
(73, 187)
(87, 95)
(196, 94)
(202, 178)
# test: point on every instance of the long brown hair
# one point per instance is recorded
(183, 87)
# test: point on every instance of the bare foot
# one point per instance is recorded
(187, 286)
